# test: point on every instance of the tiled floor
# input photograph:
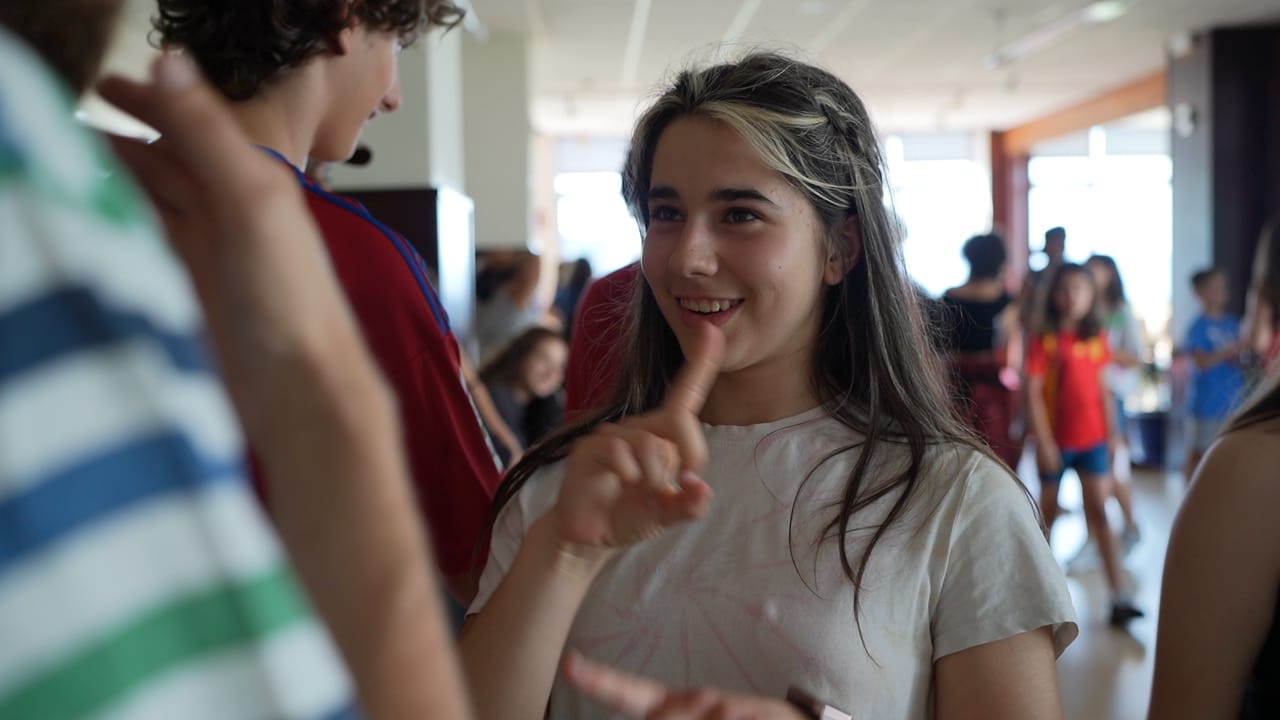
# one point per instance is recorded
(1106, 674)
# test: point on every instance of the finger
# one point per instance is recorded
(151, 167)
(701, 368)
(163, 180)
(626, 693)
(690, 439)
(678, 416)
(612, 454)
(193, 120)
(659, 459)
(696, 705)
(690, 503)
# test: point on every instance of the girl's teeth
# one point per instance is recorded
(707, 306)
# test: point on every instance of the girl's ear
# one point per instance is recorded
(839, 264)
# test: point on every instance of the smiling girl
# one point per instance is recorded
(860, 544)
(524, 379)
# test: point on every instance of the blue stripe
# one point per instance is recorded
(349, 712)
(73, 319)
(100, 486)
(411, 257)
(11, 153)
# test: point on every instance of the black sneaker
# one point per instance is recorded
(1123, 612)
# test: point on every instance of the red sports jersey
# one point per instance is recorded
(1073, 390)
(597, 340)
(454, 469)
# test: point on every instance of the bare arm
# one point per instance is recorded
(1220, 580)
(1126, 359)
(1046, 447)
(1108, 407)
(623, 484)
(344, 467)
(1014, 336)
(1127, 353)
(1205, 360)
(1007, 679)
(511, 650)
(489, 412)
(305, 388)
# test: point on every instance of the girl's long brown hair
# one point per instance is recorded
(873, 369)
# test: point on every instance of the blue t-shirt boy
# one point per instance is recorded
(1215, 390)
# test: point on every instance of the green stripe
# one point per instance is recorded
(157, 642)
(10, 165)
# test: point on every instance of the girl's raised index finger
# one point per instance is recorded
(698, 376)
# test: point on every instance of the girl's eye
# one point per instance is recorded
(664, 213)
(741, 215)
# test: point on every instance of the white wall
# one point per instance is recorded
(498, 167)
(421, 143)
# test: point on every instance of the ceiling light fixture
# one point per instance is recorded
(1094, 13)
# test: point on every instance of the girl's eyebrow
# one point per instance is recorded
(666, 192)
(734, 194)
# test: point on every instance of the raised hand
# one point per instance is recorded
(239, 223)
(645, 699)
(316, 409)
(628, 481)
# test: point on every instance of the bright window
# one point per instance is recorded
(593, 221)
(1117, 205)
(941, 202)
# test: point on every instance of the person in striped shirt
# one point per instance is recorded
(138, 577)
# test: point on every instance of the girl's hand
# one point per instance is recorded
(626, 482)
(637, 697)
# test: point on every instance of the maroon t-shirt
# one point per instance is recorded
(453, 467)
(597, 341)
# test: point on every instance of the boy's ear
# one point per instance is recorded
(340, 42)
(839, 265)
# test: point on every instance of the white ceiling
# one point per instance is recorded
(918, 63)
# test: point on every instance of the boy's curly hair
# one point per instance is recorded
(73, 49)
(241, 45)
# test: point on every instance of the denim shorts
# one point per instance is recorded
(1095, 460)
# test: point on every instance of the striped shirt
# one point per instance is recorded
(138, 578)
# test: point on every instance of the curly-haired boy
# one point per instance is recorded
(305, 78)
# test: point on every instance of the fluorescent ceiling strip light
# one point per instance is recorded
(741, 20)
(1095, 13)
(835, 30)
(635, 43)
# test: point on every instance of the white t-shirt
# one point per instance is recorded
(729, 602)
(1124, 333)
